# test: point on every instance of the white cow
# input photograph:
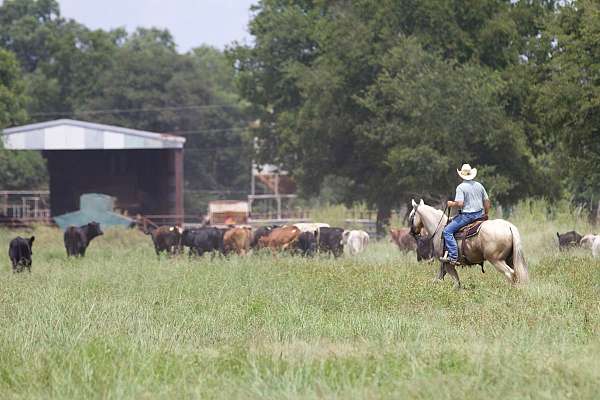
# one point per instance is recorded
(310, 226)
(591, 242)
(356, 241)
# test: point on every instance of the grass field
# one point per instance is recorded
(122, 324)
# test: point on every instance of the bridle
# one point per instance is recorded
(413, 231)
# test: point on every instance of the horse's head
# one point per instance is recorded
(414, 219)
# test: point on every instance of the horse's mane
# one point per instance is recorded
(434, 210)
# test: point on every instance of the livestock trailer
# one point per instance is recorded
(228, 212)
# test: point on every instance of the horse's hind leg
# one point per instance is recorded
(503, 268)
(451, 269)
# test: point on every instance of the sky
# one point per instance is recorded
(191, 22)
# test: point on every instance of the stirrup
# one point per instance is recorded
(446, 259)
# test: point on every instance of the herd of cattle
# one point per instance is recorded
(303, 239)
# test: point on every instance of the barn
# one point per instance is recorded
(142, 170)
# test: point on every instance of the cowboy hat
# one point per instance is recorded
(466, 172)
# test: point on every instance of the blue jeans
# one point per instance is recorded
(458, 222)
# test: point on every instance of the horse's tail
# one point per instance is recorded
(519, 264)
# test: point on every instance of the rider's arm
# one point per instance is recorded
(452, 203)
(459, 199)
(486, 202)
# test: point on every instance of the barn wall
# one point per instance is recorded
(176, 182)
(143, 181)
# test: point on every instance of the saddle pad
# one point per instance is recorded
(470, 230)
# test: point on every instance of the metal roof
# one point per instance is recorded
(68, 134)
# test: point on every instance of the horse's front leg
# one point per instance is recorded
(451, 269)
(441, 274)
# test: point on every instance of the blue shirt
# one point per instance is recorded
(472, 193)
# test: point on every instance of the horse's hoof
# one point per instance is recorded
(437, 280)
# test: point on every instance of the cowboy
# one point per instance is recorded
(474, 203)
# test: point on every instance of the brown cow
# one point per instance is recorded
(403, 239)
(422, 244)
(237, 240)
(280, 238)
(166, 238)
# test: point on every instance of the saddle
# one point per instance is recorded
(471, 229)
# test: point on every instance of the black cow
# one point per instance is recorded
(330, 240)
(77, 239)
(260, 232)
(307, 244)
(203, 240)
(19, 251)
(568, 240)
(166, 238)
(424, 248)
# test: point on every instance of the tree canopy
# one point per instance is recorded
(137, 80)
(568, 104)
(17, 169)
(380, 99)
(394, 95)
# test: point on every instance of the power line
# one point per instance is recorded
(193, 132)
(131, 110)
(212, 149)
(216, 191)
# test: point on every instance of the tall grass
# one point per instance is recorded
(121, 323)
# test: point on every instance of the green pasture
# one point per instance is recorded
(122, 324)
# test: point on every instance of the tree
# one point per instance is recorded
(18, 169)
(28, 28)
(569, 102)
(428, 116)
(138, 81)
(59, 57)
(150, 86)
(352, 87)
(12, 98)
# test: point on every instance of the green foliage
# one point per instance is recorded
(569, 101)
(394, 95)
(59, 57)
(368, 96)
(428, 116)
(22, 170)
(70, 70)
(18, 170)
(192, 93)
(29, 29)
(12, 98)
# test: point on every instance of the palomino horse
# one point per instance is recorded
(498, 242)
